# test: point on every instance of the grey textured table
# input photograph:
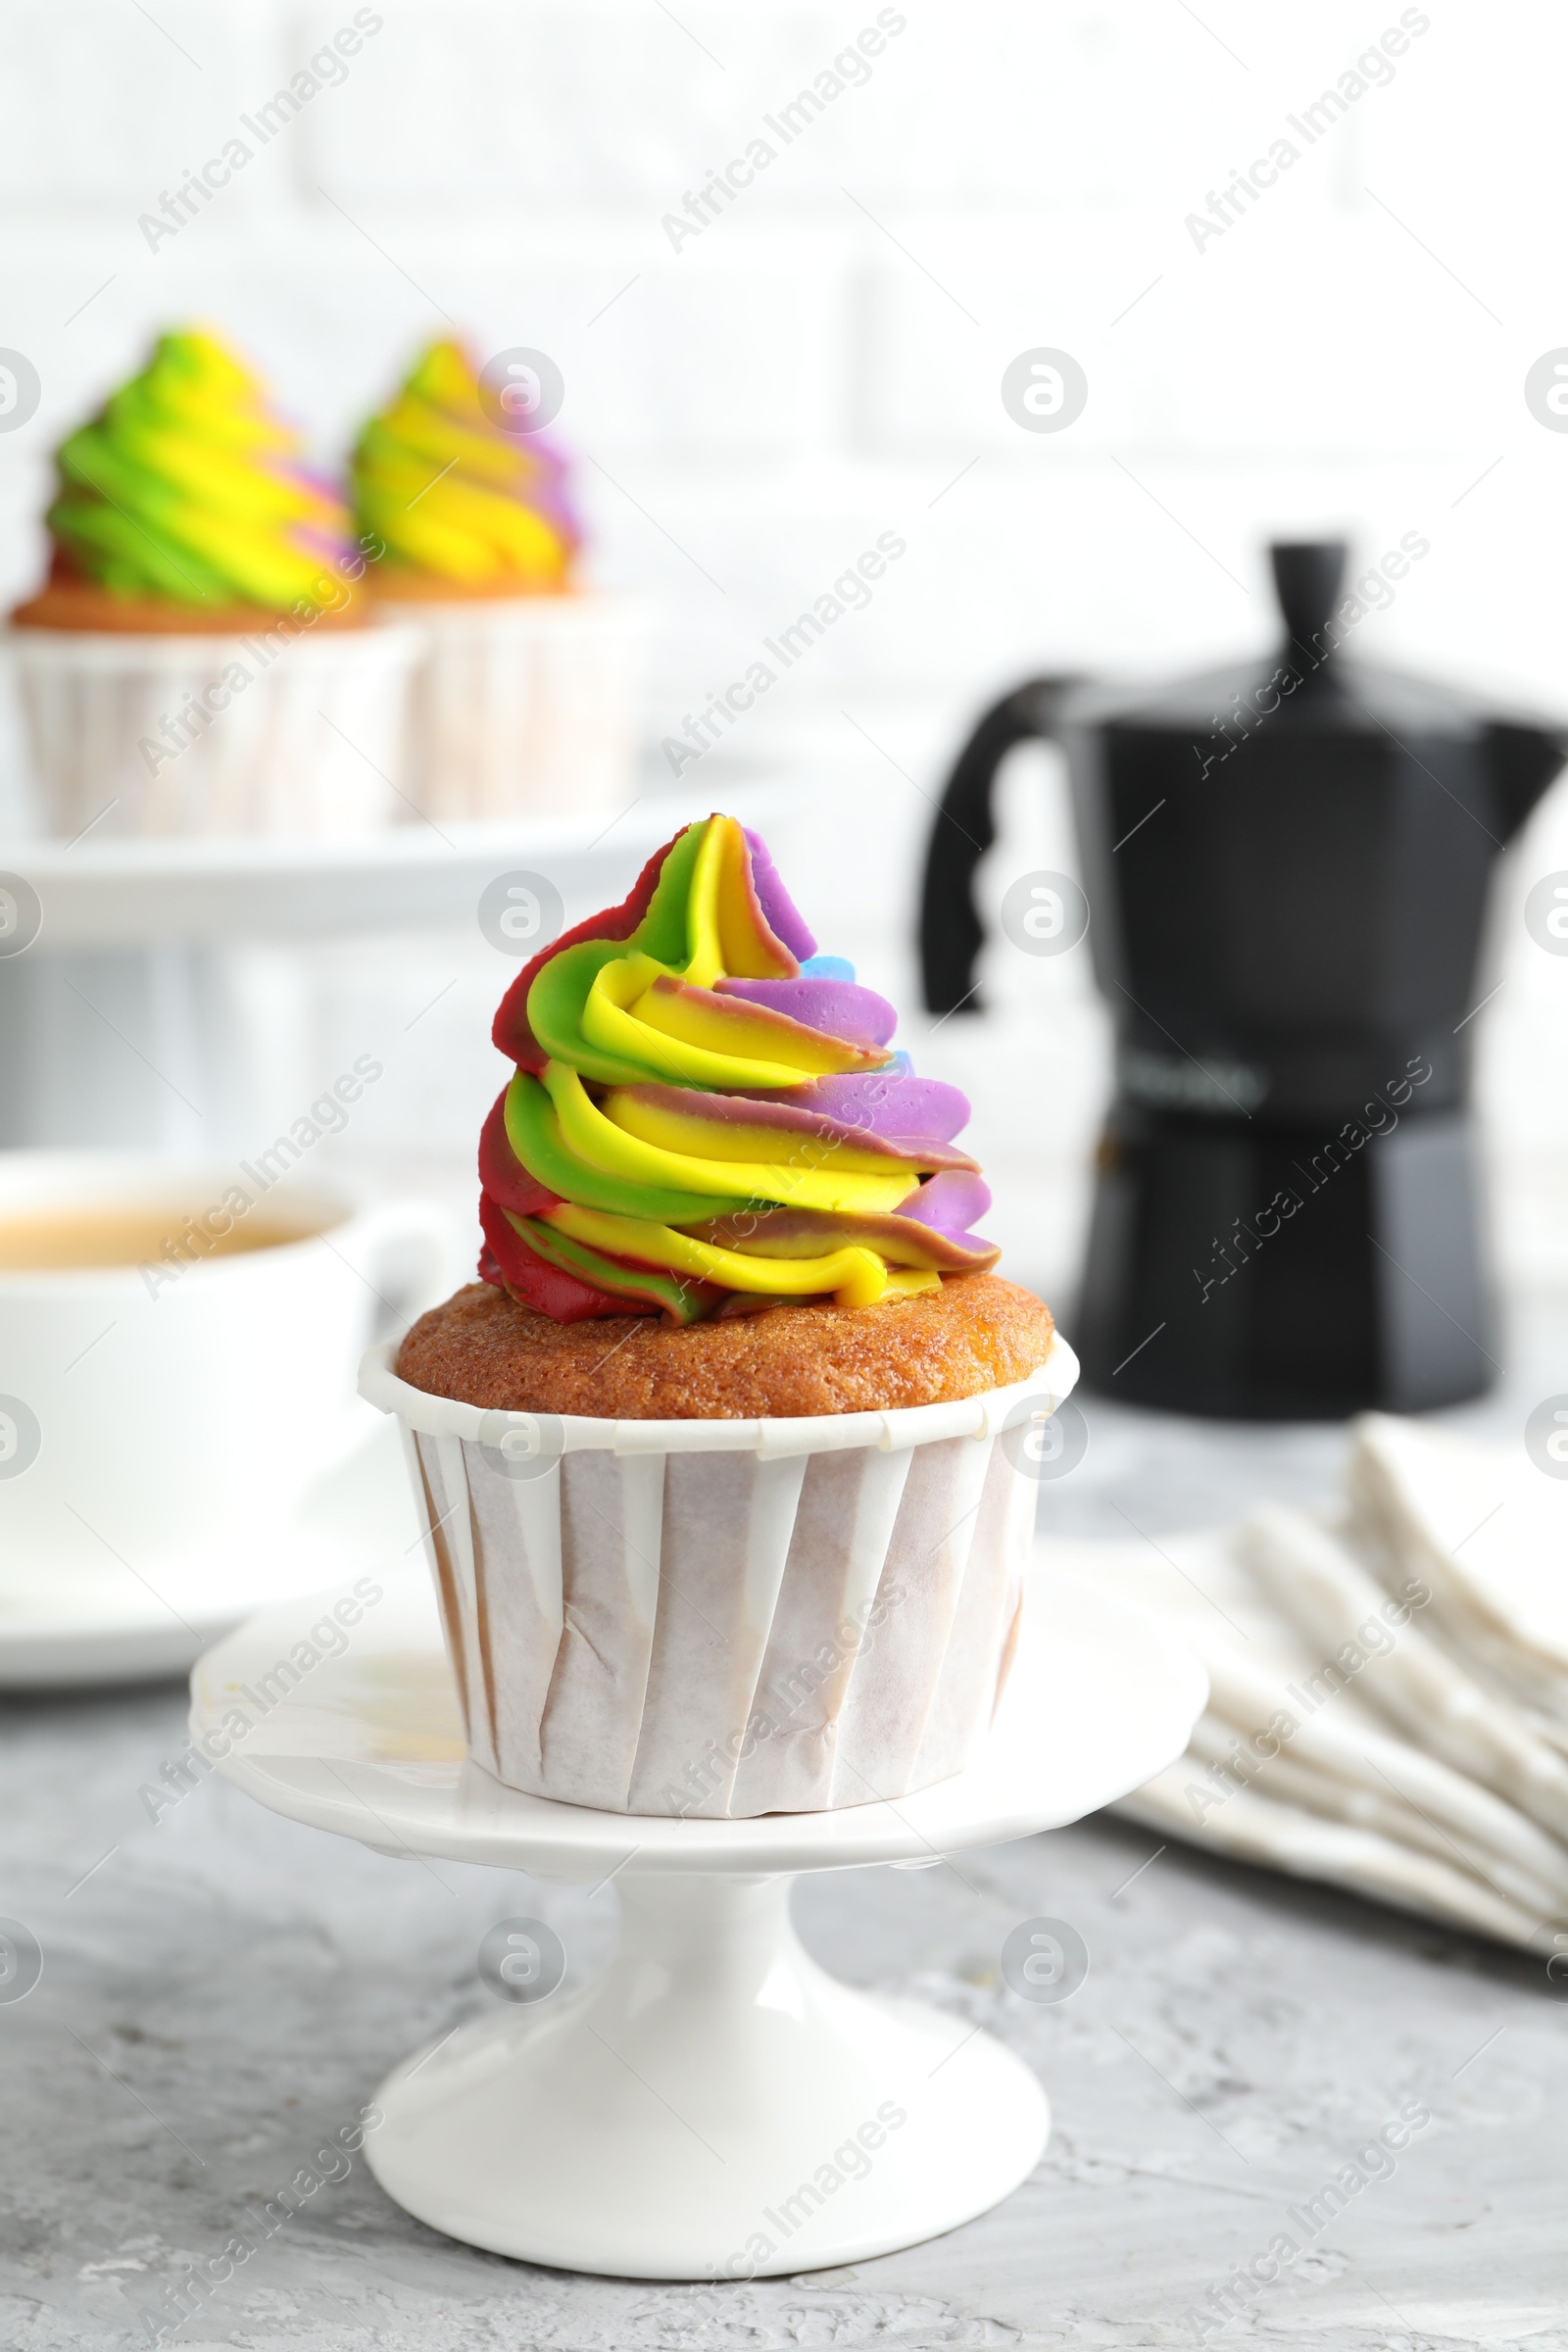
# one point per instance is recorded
(222, 1992)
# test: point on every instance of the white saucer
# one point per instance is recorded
(68, 1634)
(713, 2105)
(1101, 1696)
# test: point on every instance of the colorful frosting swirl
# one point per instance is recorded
(707, 1116)
(454, 495)
(189, 488)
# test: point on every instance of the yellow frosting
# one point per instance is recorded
(188, 487)
(454, 495)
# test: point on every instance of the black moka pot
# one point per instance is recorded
(1286, 866)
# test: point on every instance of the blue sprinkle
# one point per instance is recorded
(827, 967)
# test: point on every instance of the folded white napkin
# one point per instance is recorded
(1488, 1531)
(1388, 1683)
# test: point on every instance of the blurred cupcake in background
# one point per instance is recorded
(198, 660)
(528, 696)
(464, 509)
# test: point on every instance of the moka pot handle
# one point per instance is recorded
(950, 934)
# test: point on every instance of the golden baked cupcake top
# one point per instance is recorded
(971, 1332)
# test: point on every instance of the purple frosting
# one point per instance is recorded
(898, 1107)
(950, 1202)
(312, 539)
(779, 908)
(804, 1110)
(836, 1008)
(549, 493)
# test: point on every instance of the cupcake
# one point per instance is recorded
(724, 1464)
(197, 660)
(527, 700)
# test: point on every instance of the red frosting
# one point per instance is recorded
(511, 1032)
(509, 1265)
(502, 1178)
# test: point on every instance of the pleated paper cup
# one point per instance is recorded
(269, 733)
(527, 706)
(725, 1618)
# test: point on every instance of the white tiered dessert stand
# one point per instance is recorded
(713, 2105)
(150, 1001)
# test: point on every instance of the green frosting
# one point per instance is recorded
(187, 488)
(534, 1131)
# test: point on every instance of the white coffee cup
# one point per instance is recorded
(161, 1421)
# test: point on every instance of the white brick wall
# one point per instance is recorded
(821, 362)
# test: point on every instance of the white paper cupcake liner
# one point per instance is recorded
(726, 1617)
(527, 707)
(313, 742)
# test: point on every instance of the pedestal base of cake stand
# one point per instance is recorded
(713, 2105)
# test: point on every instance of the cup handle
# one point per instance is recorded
(407, 1257)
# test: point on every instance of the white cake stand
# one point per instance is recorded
(713, 2105)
